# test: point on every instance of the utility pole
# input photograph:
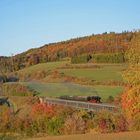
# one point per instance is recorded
(12, 62)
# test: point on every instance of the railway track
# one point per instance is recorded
(82, 105)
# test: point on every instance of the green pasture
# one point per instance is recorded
(105, 73)
(60, 89)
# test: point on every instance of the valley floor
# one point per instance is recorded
(113, 136)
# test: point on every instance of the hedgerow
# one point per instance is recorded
(108, 58)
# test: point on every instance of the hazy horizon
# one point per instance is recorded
(30, 24)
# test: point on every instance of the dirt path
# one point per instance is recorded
(114, 136)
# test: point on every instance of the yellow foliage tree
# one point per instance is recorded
(131, 98)
(132, 74)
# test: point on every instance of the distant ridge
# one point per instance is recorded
(100, 43)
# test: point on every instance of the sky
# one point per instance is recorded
(26, 24)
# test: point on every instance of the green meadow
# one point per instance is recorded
(105, 73)
(71, 89)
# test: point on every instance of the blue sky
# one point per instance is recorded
(26, 24)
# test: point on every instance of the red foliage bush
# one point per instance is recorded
(106, 122)
(43, 109)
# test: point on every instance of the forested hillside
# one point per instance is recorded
(106, 43)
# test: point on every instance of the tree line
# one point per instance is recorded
(106, 43)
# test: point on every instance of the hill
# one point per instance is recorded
(95, 44)
(59, 78)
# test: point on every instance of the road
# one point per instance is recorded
(92, 136)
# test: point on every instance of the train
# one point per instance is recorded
(91, 99)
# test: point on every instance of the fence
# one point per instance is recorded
(96, 107)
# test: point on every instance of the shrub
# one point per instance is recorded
(74, 124)
(120, 123)
(110, 99)
(103, 122)
(45, 119)
(7, 119)
(55, 125)
(4, 118)
(16, 90)
(106, 122)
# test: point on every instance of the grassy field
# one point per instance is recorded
(43, 66)
(59, 89)
(102, 73)
(105, 73)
